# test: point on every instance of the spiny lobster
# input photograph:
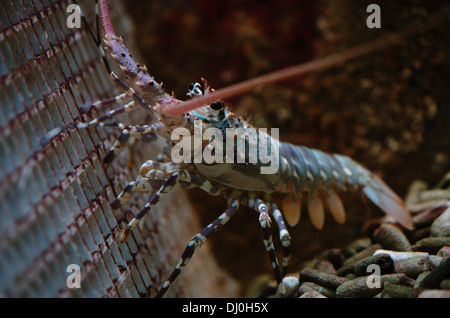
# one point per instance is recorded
(303, 173)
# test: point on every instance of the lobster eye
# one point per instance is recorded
(195, 89)
(216, 105)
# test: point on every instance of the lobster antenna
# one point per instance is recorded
(303, 68)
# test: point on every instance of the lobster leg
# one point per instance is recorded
(104, 102)
(145, 132)
(140, 185)
(284, 238)
(141, 130)
(166, 187)
(117, 111)
(264, 222)
(197, 240)
(182, 179)
(147, 135)
(152, 176)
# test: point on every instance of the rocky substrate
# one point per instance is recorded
(390, 262)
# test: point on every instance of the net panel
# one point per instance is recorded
(54, 197)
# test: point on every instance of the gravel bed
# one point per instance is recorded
(390, 262)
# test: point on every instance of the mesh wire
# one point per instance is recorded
(54, 198)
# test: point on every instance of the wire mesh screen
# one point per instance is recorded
(55, 197)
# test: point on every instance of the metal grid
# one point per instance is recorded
(54, 198)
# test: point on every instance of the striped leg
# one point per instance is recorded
(128, 107)
(197, 240)
(129, 132)
(167, 186)
(141, 129)
(284, 237)
(100, 104)
(180, 179)
(264, 221)
(152, 176)
(136, 130)
(129, 137)
(141, 184)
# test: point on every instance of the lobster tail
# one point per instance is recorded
(381, 195)
(311, 170)
(375, 189)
